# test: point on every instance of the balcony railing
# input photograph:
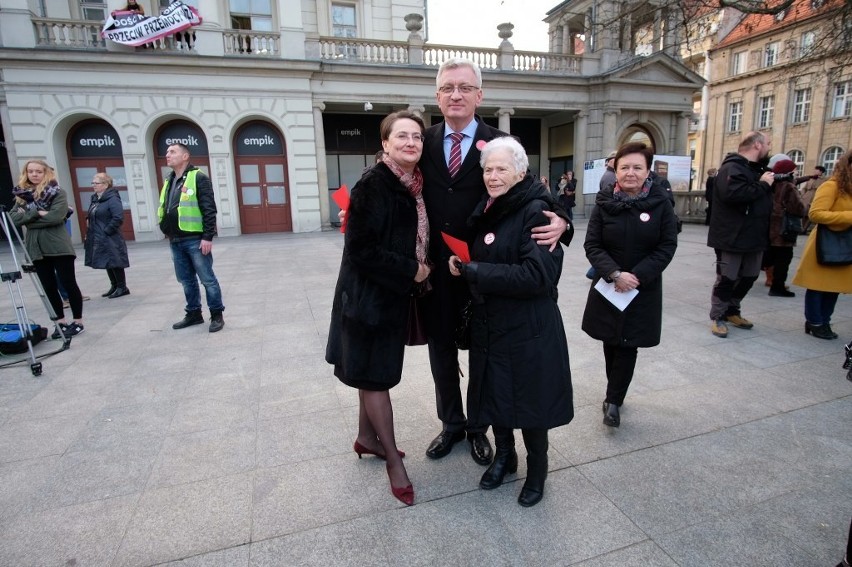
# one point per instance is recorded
(363, 50)
(252, 43)
(83, 34)
(435, 55)
(80, 34)
(547, 62)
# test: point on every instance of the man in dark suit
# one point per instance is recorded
(450, 200)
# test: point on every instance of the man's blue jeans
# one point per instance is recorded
(190, 267)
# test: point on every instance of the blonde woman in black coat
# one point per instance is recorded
(518, 352)
(384, 258)
(105, 246)
(631, 238)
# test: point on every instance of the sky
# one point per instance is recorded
(474, 22)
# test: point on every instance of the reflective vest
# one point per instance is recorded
(189, 213)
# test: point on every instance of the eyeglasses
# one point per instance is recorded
(98, 182)
(403, 137)
(463, 89)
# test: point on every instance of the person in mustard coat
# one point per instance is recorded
(832, 207)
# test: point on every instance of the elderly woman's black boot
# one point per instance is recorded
(505, 459)
(535, 441)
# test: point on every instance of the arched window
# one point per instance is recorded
(637, 133)
(829, 159)
(798, 158)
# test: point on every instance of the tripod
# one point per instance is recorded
(11, 278)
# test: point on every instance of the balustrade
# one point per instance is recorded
(79, 34)
(252, 43)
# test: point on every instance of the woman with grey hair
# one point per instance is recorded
(519, 354)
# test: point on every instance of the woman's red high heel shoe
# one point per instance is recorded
(404, 494)
(361, 450)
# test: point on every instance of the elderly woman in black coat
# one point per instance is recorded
(631, 238)
(105, 246)
(384, 260)
(518, 352)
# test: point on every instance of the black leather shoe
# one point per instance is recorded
(119, 292)
(191, 318)
(480, 448)
(441, 446)
(611, 416)
(502, 465)
(109, 292)
(530, 496)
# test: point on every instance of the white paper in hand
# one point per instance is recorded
(620, 299)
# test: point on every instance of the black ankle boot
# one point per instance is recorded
(110, 292)
(505, 459)
(535, 441)
(119, 292)
(191, 318)
(216, 321)
(820, 331)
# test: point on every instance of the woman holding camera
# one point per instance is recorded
(42, 206)
(777, 258)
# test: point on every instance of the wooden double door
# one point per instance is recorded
(263, 195)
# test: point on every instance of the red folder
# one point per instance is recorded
(341, 197)
(458, 247)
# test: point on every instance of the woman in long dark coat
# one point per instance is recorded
(384, 258)
(631, 237)
(518, 353)
(105, 246)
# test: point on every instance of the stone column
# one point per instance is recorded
(609, 129)
(681, 144)
(580, 156)
(567, 42)
(504, 118)
(322, 170)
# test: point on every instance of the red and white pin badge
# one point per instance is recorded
(489, 238)
(644, 217)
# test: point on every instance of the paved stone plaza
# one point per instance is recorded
(141, 445)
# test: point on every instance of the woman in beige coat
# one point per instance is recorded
(832, 207)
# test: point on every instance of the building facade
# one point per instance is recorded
(764, 78)
(280, 101)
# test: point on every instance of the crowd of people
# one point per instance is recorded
(451, 232)
(757, 215)
(187, 215)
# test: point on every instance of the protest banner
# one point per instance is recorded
(130, 28)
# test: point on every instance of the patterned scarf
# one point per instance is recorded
(619, 195)
(42, 203)
(414, 183)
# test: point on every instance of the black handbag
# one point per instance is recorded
(791, 227)
(833, 248)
